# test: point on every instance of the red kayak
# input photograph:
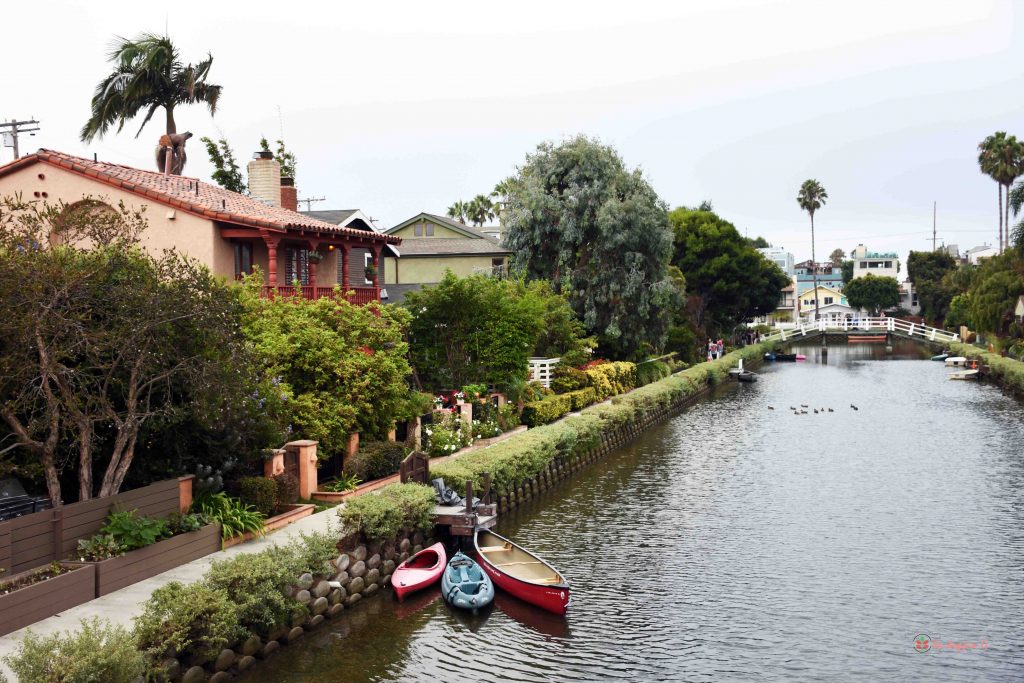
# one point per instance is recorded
(521, 573)
(419, 571)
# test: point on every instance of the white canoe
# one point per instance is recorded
(956, 361)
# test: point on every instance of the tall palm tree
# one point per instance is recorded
(148, 74)
(480, 210)
(812, 197)
(1001, 157)
(458, 211)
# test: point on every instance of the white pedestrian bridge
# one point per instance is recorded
(896, 326)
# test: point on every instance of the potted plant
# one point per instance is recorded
(371, 271)
(314, 256)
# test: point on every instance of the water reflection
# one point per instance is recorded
(737, 542)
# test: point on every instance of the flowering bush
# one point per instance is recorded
(446, 436)
(485, 429)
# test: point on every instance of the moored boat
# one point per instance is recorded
(521, 572)
(941, 356)
(956, 361)
(747, 376)
(464, 584)
(964, 374)
(419, 571)
(789, 357)
(801, 356)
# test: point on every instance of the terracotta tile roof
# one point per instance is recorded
(192, 195)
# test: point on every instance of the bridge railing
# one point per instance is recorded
(897, 325)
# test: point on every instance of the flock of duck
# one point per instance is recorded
(802, 410)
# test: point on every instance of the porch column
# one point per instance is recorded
(343, 255)
(312, 264)
(375, 254)
(271, 243)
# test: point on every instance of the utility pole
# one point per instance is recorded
(17, 127)
(310, 200)
(934, 210)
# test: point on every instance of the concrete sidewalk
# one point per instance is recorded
(121, 606)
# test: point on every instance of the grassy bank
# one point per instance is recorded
(517, 460)
(1008, 372)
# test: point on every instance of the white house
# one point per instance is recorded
(780, 257)
(879, 264)
(832, 305)
(976, 254)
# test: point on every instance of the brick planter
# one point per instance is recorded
(44, 599)
(136, 565)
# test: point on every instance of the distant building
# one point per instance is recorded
(785, 311)
(976, 254)
(780, 257)
(908, 298)
(832, 305)
(879, 264)
(951, 249)
(827, 276)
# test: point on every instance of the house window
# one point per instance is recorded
(828, 300)
(888, 264)
(418, 230)
(243, 259)
(498, 267)
(296, 266)
(430, 229)
(367, 263)
(863, 264)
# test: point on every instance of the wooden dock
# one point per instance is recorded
(461, 520)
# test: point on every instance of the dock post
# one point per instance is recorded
(469, 497)
(485, 497)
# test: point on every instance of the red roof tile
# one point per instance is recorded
(211, 201)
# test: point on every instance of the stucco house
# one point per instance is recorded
(832, 305)
(228, 232)
(432, 244)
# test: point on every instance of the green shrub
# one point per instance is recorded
(486, 429)
(507, 417)
(546, 411)
(97, 651)
(344, 482)
(609, 379)
(192, 620)
(98, 548)
(446, 436)
(581, 398)
(313, 552)
(385, 513)
(235, 517)
(257, 584)
(134, 532)
(651, 371)
(287, 489)
(376, 459)
(566, 378)
(259, 492)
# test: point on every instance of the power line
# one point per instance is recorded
(309, 201)
(17, 127)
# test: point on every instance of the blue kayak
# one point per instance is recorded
(465, 585)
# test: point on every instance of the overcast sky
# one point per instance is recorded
(402, 107)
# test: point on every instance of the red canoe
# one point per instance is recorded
(419, 571)
(521, 573)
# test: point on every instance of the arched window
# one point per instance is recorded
(72, 224)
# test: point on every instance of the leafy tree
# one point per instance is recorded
(959, 312)
(727, 280)
(836, 257)
(338, 368)
(458, 211)
(760, 243)
(562, 334)
(847, 271)
(97, 343)
(228, 175)
(148, 74)
(994, 291)
(285, 158)
(927, 270)
(471, 330)
(812, 196)
(706, 205)
(480, 210)
(598, 231)
(1016, 202)
(873, 293)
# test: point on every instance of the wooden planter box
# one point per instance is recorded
(137, 565)
(291, 513)
(46, 598)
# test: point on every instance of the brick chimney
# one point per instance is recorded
(289, 194)
(265, 178)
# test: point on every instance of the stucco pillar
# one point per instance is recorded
(343, 255)
(274, 465)
(312, 265)
(375, 254)
(307, 466)
(271, 243)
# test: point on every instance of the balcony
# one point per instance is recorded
(355, 295)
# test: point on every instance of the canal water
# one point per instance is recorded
(740, 541)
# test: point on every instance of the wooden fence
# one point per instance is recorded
(34, 540)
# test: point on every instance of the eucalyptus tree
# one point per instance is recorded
(148, 75)
(812, 197)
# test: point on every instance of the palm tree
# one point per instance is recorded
(458, 211)
(1001, 157)
(148, 74)
(480, 210)
(501, 194)
(812, 197)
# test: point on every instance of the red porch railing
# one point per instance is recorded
(356, 295)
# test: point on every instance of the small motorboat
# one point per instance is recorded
(419, 571)
(523, 574)
(964, 374)
(941, 356)
(787, 357)
(770, 356)
(956, 361)
(746, 376)
(465, 585)
(801, 356)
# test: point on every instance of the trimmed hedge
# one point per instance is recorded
(581, 398)
(384, 513)
(376, 459)
(651, 371)
(1008, 371)
(545, 411)
(609, 379)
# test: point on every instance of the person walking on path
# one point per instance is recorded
(721, 348)
(711, 350)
